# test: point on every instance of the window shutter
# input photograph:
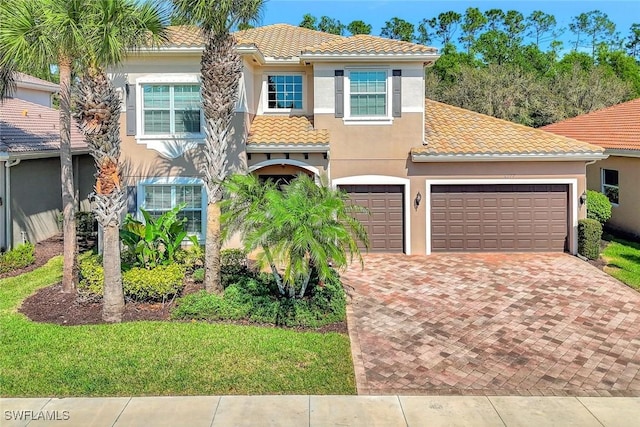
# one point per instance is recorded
(131, 108)
(396, 100)
(132, 199)
(339, 77)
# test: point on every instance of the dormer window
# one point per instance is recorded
(284, 92)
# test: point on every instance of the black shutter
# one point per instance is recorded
(339, 78)
(396, 94)
(132, 199)
(131, 108)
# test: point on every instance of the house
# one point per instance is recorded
(30, 190)
(617, 130)
(434, 177)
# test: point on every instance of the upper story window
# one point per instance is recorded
(284, 92)
(171, 109)
(367, 93)
(610, 186)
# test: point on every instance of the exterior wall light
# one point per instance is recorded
(583, 198)
(418, 199)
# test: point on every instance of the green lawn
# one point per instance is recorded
(623, 261)
(160, 358)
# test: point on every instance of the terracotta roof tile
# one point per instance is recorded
(366, 44)
(286, 130)
(451, 130)
(288, 41)
(27, 127)
(616, 127)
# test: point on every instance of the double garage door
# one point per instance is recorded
(470, 218)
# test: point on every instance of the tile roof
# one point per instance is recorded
(616, 127)
(282, 41)
(31, 80)
(28, 127)
(451, 131)
(286, 130)
(366, 44)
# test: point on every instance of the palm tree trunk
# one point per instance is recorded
(113, 300)
(213, 244)
(70, 268)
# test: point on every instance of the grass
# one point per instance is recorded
(160, 358)
(623, 261)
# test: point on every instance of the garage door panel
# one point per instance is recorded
(513, 217)
(385, 221)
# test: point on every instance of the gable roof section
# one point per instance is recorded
(27, 81)
(456, 134)
(26, 127)
(286, 132)
(614, 128)
(284, 41)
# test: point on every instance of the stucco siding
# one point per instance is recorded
(625, 216)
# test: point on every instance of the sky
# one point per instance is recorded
(375, 12)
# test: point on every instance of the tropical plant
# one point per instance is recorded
(156, 240)
(306, 228)
(221, 68)
(113, 28)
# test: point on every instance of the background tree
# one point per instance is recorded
(633, 45)
(595, 27)
(540, 24)
(331, 26)
(309, 21)
(114, 27)
(495, 19)
(38, 34)
(221, 68)
(359, 27)
(472, 23)
(398, 29)
(445, 26)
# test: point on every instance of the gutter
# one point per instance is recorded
(8, 220)
(356, 57)
(622, 153)
(422, 158)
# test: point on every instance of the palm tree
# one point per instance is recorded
(37, 35)
(221, 68)
(119, 26)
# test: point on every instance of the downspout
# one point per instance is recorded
(8, 228)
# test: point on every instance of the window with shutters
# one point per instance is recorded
(367, 95)
(171, 109)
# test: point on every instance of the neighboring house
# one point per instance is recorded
(617, 130)
(30, 190)
(34, 90)
(435, 177)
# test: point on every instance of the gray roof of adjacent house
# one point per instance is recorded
(26, 127)
(25, 80)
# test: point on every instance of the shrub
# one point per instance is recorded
(139, 284)
(233, 266)
(589, 234)
(155, 284)
(198, 275)
(192, 257)
(20, 257)
(598, 206)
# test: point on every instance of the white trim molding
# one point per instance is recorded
(573, 199)
(385, 180)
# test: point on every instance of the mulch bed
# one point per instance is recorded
(51, 305)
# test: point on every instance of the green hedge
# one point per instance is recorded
(20, 257)
(598, 206)
(140, 284)
(589, 235)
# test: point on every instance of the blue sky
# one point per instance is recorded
(375, 12)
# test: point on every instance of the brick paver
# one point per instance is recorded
(492, 324)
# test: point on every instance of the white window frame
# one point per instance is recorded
(265, 93)
(170, 80)
(348, 118)
(141, 193)
(603, 185)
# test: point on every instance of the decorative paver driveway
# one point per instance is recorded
(529, 324)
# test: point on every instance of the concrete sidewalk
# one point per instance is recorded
(313, 411)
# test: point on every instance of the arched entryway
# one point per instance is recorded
(283, 170)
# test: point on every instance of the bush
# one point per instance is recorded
(233, 266)
(20, 257)
(192, 257)
(598, 206)
(254, 298)
(198, 275)
(140, 284)
(589, 235)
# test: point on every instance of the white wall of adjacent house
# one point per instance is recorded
(412, 84)
(36, 96)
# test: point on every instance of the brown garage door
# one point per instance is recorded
(384, 225)
(499, 217)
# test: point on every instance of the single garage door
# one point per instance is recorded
(499, 217)
(385, 224)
